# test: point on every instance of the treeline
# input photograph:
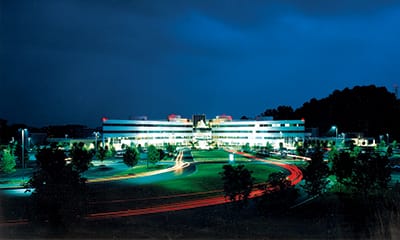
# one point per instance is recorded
(371, 110)
(352, 191)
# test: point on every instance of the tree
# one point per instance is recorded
(238, 183)
(269, 147)
(389, 151)
(279, 194)
(153, 156)
(171, 149)
(371, 173)
(342, 167)
(301, 148)
(315, 174)
(112, 151)
(80, 157)
(59, 195)
(161, 154)
(102, 153)
(281, 113)
(140, 148)
(7, 160)
(246, 148)
(369, 109)
(131, 156)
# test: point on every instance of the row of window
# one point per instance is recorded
(244, 137)
(148, 131)
(282, 125)
(145, 125)
(191, 126)
(261, 125)
(118, 140)
(266, 131)
(230, 137)
(215, 131)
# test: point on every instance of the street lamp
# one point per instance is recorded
(96, 135)
(335, 128)
(23, 146)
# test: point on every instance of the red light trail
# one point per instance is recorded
(295, 177)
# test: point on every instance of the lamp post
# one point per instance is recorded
(336, 129)
(23, 146)
(96, 135)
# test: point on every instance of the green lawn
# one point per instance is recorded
(141, 169)
(214, 155)
(207, 178)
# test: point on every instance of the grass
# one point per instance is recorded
(207, 178)
(14, 181)
(328, 217)
(141, 169)
(214, 155)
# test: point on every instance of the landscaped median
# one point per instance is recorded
(143, 171)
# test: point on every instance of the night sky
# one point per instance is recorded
(71, 61)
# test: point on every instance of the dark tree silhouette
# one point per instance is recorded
(369, 109)
(371, 173)
(342, 167)
(153, 155)
(171, 149)
(281, 113)
(131, 156)
(279, 194)
(102, 153)
(59, 196)
(238, 183)
(80, 157)
(315, 174)
(161, 154)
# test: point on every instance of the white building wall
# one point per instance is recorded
(158, 133)
(232, 133)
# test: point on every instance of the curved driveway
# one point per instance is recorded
(183, 161)
(295, 176)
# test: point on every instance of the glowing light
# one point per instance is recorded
(231, 157)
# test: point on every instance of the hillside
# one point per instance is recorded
(369, 109)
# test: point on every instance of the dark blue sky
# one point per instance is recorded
(77, 61)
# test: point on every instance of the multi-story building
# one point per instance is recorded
(222, 131)
(145, 132)
(258, 133)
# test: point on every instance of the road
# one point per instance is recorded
(295, 176)
(113, 193)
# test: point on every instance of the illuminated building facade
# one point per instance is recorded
(221, 131)
(258, 133)
(144, 133)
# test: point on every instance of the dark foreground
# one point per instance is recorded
(326, 218)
